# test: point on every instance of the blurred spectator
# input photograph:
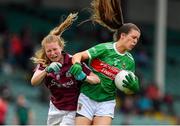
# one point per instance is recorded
(4, 96)
(3, 110)
(169, 102)
(5, 91)
(16, 50)
(143, 104)
(153, 93)
(128, 105)
(128, 109)
(23, 113)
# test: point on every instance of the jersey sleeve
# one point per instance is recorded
(86, 69)
(96, 51)
(131, 62)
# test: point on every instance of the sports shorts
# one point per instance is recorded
(90, 108)
(60, 117)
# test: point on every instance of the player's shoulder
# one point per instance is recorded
(108, 45)
(128, 54)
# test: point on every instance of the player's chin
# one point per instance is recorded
(54, 60)
(130, 48)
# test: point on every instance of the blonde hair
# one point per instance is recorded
(54, 36)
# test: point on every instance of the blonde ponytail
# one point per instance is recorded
(55, 35)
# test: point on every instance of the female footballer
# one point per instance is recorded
(52, 69)
(96, 103)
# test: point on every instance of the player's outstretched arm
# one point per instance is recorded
(76, 69)
(91, 78)
(39, 75)
(78, 57)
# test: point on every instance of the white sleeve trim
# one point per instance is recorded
(88, 54)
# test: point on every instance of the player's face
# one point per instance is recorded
(131, 39)
(53, 51)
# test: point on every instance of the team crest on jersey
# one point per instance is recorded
(124, 66)
(116, 61)
(57, 77)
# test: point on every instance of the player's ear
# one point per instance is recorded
(122, 35)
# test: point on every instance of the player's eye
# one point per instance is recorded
(48, 51)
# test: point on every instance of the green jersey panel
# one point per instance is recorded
(105, 61)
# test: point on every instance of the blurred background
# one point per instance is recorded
(24, 23)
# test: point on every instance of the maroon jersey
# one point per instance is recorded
(63, 86)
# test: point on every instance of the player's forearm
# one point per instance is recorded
(78, 57)
(38, 77)
(92, 78)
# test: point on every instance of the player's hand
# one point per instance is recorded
(53, 67)
(131, 83)
(81, 77)
(75, 69)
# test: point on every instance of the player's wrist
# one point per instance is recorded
(81, 76)
(85, 77)
(47, 69)
(77, 63)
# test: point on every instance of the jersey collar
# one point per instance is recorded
(67, 57)
(114, 46)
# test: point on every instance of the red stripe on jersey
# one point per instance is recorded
(104, 68)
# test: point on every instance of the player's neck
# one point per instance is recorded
(120, 48)
(61, 60)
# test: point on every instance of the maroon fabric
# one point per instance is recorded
(63, 86)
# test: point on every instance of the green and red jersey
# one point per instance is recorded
(105, 61)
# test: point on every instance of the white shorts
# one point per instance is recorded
(60, 117)
(90, 108)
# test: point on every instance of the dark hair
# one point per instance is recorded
(125, 28)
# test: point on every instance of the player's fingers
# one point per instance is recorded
(128, 78)
(78, 71)
(59, 65)
(71, 70)
(125, 83)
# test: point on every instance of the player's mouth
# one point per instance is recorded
(132, 46)
(54, 58)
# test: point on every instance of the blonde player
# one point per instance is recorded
(52, 69)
